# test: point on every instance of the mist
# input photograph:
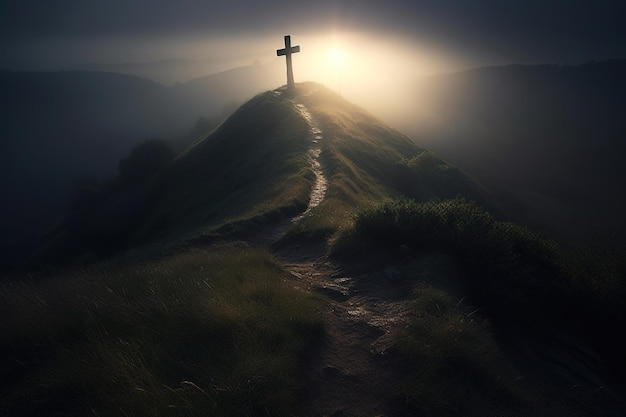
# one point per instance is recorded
(197, 61)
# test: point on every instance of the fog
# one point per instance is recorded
(375, 70)
(405, 63)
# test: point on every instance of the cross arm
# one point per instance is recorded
(292, 50)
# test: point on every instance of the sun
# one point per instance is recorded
(336, 57)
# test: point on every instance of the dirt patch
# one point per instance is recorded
(351, 373)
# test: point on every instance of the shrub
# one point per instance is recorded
(508, 268)
(426, 164)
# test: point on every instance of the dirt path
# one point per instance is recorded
(315, 150)
(349, 375)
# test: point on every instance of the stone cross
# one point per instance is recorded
(287, 51)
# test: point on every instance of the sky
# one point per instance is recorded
(40, 33)
(345, 44)
(367, 50)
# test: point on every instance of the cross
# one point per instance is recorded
(287, 51)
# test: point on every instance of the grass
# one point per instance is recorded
(220, 332)
(250, 170)
(424, 177)
(253, 170)
(358, 155)
(453, 365)
(520, 281)
(366, 161)
(217, 332)
(253, 164)
(508, 268)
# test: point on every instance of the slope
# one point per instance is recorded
(372, 303)
(256, 169)
(63, 128)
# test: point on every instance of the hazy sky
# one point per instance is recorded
(39, 33)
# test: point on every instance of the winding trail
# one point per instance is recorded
(349, 375)
(315, 150)
(268, 236)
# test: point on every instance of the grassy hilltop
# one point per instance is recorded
(162, 302)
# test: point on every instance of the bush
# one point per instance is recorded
(426, 164)
(508, 268)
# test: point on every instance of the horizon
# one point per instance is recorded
(448, 35)
(371, 53)
(386, 88)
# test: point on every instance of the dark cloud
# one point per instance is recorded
(513, 30)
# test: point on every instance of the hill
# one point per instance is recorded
(165, 71)
(58, 126)
(546, 139)
(63, 128)
(306, 259)
(253, 169)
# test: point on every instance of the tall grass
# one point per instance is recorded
(453, 366)
(452, 361)
(216, 332)
(519, 280)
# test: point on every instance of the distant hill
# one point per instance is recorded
(549, 140)
(228, 89)
(58, 127)
(165, 71)
(168, 71)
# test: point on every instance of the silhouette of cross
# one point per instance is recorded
(287, 51)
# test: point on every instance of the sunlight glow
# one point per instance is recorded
(336, 57)
(376, 72)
